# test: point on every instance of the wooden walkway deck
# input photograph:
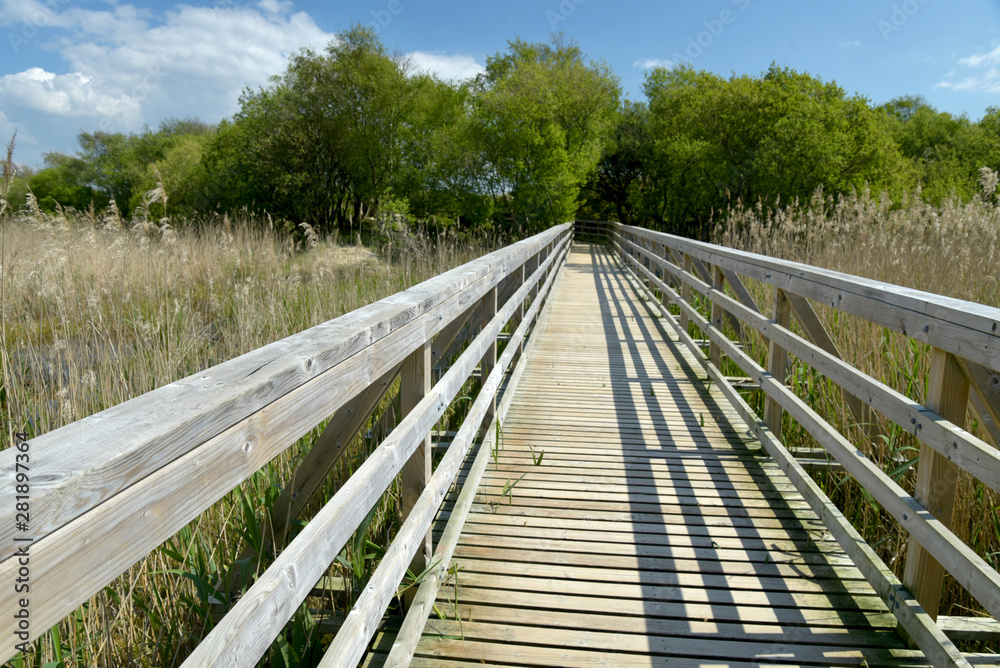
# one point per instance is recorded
(652, 531)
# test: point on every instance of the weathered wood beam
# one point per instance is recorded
(914, 620)
(414, 385)
(937, 478)
(777, 361)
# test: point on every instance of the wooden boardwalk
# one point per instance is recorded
(629, 521)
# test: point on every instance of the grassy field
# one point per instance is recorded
(951, 250)
(97, 310)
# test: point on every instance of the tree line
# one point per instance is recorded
(543, 135)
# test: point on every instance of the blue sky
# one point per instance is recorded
(117, 65)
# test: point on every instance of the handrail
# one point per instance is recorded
(108, 489)
(966, 355)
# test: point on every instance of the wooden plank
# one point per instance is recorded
(537, 565)
(917, 624)
(975, 574)
(967, 451)
(965, 329)
(972, 629)
(937, 477)
(817, 334)
(625, 644)
(349, 645)
(310, 474)
(836, 633)
(489, 360)
(505, 653)
(715, 354)
(985, 397)
(814, 579)
(247, 631)
(777, 361)
(686, 291)
(402, 651)
(324, 455)
(414, 385)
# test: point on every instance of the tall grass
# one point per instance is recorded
(951, 250)
(97, 310)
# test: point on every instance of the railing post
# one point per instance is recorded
(937, 477)
(719, 283)
(777, 361)
(415, 383)
(686, 290)
(490, 358)
(519, 313)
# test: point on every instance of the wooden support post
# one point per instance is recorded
(777, 362)
(490, 358)
(529, 270)
(686, 291)
(519, 313)
(719, 283)
(415, 383)
(668, 279)
(937, 478)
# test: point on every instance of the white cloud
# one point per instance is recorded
(985, 77)
(979, 59)
(126, 68)
(850, 45)
(276, 6)
(452, 68)
(61, 95)
(653, 62)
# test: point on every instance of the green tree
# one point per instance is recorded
(616, 186)
(780, 135)
(66, 181)
(322, 142)
(441, 168)
(542, 116)
(945, 152)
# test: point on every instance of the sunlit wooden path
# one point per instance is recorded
(652, 531)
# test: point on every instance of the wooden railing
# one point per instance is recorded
(966, 355)
(108, 489)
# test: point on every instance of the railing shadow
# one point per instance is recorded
(717, 486)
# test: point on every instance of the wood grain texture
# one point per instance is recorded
(578, 551)
(349, 645)
(965, 329)
(915, 622)
(937, 477)
(777, 360)
(414, 385)
(94, 517)
(247, 630)
(965, 450)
